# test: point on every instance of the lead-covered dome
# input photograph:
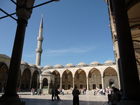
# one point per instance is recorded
(32, 65)
(109, 62)
(24, 63)
(58, 66)
(94, 63)
(69, 65)
(4, 56)
(48, 67)
(82, 64)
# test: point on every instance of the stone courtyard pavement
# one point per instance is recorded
(65, 100)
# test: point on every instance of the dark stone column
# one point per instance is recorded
(16, 58)
(129, 72)
(10, 90)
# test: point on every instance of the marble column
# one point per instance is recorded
(73, 82)
(87, 84)
(40, 81)
(30, 85)
(60, 83)
(102, 79)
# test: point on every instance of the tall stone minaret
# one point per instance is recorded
(39, 43)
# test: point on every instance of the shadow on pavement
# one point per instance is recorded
(33, 101)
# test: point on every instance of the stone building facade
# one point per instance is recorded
(94, 75)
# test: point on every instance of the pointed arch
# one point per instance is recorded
(25, 79)
(94, 79)
(67, 80)
(56, 78)
(35, 80)
(110, 77)
(80, 79)
(45, 82)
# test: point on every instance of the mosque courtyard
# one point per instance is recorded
(65, 100)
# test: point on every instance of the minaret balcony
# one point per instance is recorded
(40, 38)
(39, 50)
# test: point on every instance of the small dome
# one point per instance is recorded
(24, 63)
(3, 55)
(40, 67)
(95, 63)
(69, 65)
(46, 73)
(58, 66)
(33, 65)
(82, 64)
(109, 62)
(48, 67)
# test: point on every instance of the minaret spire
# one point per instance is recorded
(39, 43)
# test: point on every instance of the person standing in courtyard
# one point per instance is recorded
(57, 94)
(75, 94)
(53, 94)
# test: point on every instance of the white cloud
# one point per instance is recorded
(79, 50)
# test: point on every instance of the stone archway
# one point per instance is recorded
(35, 80)
(110, 77)
(67, 80)
(26, 79)
(94, 79)
(80, 79)
(45, 82)
(3, 76)
(56, 79)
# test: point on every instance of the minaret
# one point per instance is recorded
(39, 43)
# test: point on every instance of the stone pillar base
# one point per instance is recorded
(11, 101)
(129, 102)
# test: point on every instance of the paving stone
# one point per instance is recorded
(65, 100)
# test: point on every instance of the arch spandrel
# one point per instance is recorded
(94, 70)
(110, 70)
(80, 70)
(59, 71)
(67, 71)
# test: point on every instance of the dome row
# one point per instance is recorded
(80, 64)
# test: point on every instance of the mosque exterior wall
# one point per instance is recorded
(90, 76)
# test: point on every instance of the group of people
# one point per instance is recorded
(55, 95)
(115, 96)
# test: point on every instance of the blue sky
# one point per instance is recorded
(74, 31)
